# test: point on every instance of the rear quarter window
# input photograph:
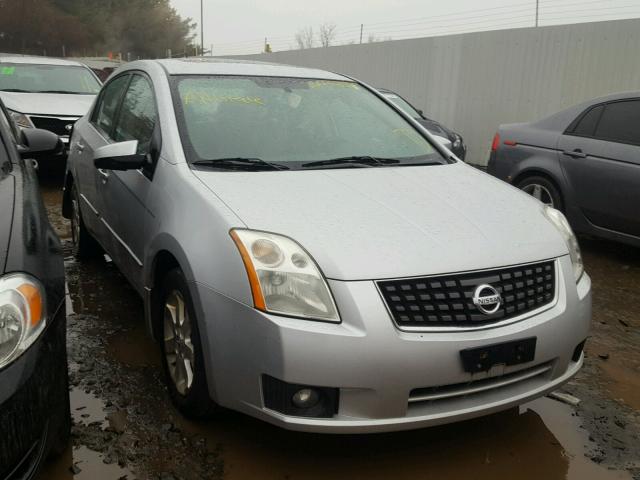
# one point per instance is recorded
(586, 124)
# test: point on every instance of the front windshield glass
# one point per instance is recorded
(31, 78)
(292, 121)
(403, 104)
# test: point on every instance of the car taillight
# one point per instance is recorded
(495, 143)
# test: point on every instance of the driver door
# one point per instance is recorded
(124, 193)
(87, 136)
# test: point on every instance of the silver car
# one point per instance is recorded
(47, 93)
(309, 255)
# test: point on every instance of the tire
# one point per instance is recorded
(181, 347)
(84, 245)
(543, 189)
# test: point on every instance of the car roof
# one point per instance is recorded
(32, 60)
(562, 119)
(225, 66)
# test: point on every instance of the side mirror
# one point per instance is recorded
(119, 156)
(39, 143)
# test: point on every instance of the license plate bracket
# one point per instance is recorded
(481, 359)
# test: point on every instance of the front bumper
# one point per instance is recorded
(32, 402)
(376, 367)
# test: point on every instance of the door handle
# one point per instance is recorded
(80, 147)
(104, 174)
(577, 153)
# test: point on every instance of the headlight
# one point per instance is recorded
(560, 222)
(284, 278)
(20, 119)
(22, 315)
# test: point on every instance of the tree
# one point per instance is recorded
(327, 34)
(143, 28)
(305, 38)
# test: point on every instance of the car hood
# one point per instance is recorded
(54, 104)
(373, 223)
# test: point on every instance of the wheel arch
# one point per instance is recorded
(66, 195)
(166, 255)
(536, 172)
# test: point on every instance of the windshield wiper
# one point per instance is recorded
(241, 163)
(355, 159)
(19, 90)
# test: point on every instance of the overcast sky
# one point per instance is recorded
(239, 26)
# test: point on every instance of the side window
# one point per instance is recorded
(106, 109)
(587, 124)
(138, 114)
(620, 122)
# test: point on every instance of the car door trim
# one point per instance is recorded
(136, 259)
(90, 205)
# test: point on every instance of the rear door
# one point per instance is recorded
(124, 193)
(601, 160)
(88, 136)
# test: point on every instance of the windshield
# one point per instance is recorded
(31, 78)
(403, 104)
(292, 122)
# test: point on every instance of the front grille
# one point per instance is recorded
(447, 300)
(55, 125)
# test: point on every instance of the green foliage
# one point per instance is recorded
(141, 28)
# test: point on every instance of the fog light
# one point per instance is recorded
(298, 400)
(305, 398)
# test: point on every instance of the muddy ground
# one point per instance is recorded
(125, 426)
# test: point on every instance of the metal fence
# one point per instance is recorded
(473, 82)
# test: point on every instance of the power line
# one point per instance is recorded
(452, 23)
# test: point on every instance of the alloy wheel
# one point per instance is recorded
(539, 192)
(178, 346)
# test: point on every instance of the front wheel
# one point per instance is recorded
(182, 355)
(84, 245)
(542, 189)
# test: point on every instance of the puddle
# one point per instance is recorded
(134, 347)
(87, 409)
(84, 464)
(541, 440)
(624, 382)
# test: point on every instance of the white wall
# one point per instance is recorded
(473, 82)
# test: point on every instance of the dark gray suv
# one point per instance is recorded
(584, 160)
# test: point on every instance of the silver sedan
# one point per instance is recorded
(309, 255)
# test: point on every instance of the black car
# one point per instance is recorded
(584, 160)
(457, 143)
(34, 396)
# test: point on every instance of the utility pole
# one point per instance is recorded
(202, 27)
(361, 30)
(537, 11)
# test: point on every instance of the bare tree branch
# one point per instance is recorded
(327, 34)
(305, 38)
